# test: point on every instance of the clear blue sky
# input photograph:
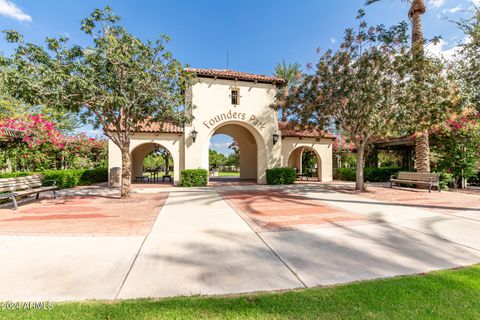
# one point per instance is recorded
(256, 33)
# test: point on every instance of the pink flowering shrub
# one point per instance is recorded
(43, 147)
(458, 146)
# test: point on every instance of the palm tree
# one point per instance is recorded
(417, 9)
(291, 73)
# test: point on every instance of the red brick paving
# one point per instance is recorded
(442, 202)
(84, 215)
(275, 210)
(151, 185)
(230, 181)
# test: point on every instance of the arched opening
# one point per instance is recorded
(152, 163)
(307, 163)
(233, 154)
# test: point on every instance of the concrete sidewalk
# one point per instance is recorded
(64, 268)
(199, 245)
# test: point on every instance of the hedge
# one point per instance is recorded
(475, 180)
(369, 174)
(67, 178)
(193, 178)
(384, 174)
(281, 175)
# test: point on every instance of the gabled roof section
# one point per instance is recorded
(235, 75)
(293, 130)
(156, 127)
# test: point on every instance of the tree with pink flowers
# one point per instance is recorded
(458, 147)
(43, 147)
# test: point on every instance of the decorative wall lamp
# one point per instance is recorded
(275, 138)
(194, 135)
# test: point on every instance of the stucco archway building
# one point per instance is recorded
(236, 104)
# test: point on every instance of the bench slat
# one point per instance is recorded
(416, 176)
(33, 191)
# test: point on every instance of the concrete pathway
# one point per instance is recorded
(200, 245)
(64, 268)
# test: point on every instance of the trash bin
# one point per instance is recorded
(114, 177)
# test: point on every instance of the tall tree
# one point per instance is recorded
(354, 88)
(119, 82)
(422, 145)
(469, 58)
(291, 73)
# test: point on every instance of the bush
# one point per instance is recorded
(67, 178)
(281, 175)
(193, 178)
(369, 174)
(445, 180)
(475, 181)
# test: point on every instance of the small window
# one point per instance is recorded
(235, 96)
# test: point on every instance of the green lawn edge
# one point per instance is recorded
(447, 294)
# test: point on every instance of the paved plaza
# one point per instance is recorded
(225, 239)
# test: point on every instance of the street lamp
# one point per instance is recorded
(275, 138)
(194, 135)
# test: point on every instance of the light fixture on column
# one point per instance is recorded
(275, 138)
(194, 135)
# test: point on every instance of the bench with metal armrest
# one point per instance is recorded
(11, 188)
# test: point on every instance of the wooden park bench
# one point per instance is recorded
(11, 188)
(416, 178)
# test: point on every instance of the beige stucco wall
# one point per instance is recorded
(213, 110)
(252, 124)
(141, 144)
(323, 148)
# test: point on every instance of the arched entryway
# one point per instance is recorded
(247, 148)
(152, 163)
(307, 163)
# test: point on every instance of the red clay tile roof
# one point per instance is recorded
(235, 75)
(292, 130)
(165, 127)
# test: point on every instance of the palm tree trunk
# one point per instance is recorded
(422, 151)
(422, 146)
(284, 105)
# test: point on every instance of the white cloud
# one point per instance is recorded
(440, 50)
(436, 3)
(476, 2)
(453, 9)
(219, 145)
(10, 9)
(333, 40)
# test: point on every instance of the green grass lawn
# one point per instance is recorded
(228, 174)
(451, 294)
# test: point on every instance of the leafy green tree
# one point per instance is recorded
(233, 159)
(216, 159)
(469, 61)
(422, 144)
(291, 73)
(355, 89)
(309, 163)
(119, 82)
(458, 146)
